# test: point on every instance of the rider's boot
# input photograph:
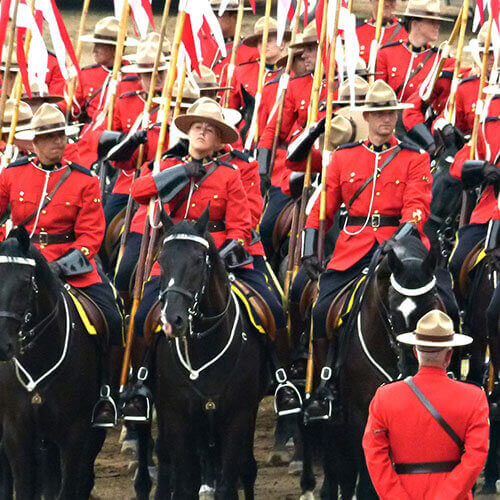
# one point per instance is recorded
(297, 368)
(105, 414)
(287, 399)
(324, 401)
(136, 399)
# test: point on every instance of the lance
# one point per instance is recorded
(180, 91)
(234, 50)
(253, 132)
(458, 60)
(113, 83)
(375, 44)
(349, 6)
(146, 254)
(467, 203)
(145, 123)
(8, 61)
(78, 53)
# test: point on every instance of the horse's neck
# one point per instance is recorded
(216, 295)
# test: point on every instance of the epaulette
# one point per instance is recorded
(83, 170)
(276, 79)
(90, 66)
(241, 155)
(226, 164)
(130, 93)
(249, 62)
(392, 44)
(130, 78)
(411, 147)
(301, 76)
(469, 79)
(447, 74)
(360, 22)
(350, 145)
(24, 160)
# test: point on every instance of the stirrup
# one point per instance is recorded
(105, 397)
(139, 391)
(327, 416)
(283, 382)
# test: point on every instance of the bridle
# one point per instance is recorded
(195, 298)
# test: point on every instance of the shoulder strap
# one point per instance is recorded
(435, 414)
(417, 70)
(388, 160)
(397, 29)
(48, 197)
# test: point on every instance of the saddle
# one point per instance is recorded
(91, 315)
(474, 257)
(308, 297)
(113, 233)
(257, 309)
(283, 225)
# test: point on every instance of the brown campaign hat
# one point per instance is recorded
(106, 31)
(232, 6)
(23, 119)
(281, 62)
(231, 116)
(152, 37)
(258, 31)
(308, 37)
(381, 97)
(207, 80)
(434, 329)
(425, 9)
(190, 95)
(40, 94)
(145, 59)
(361, 87)
(211, 112)
(47, 119)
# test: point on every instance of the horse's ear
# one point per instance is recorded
(394, 262)
(166, 220)
(22, 237)
(202, 222)
(429, 263)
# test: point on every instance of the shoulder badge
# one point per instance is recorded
(361, 22)
(446, 74)
(469, 79)
(226, 164)
(240, 155)
(130, 78)
(83, 170)
(24, 160)
(350, 145)
(130, 93)
(411, 147)
(90, 66)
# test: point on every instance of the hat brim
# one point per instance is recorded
(134, 68)
(431, 17)
(229, 135)
(12, 69)
(305, 41)
(6, 129)
(411, 339)
(215, 8)
(396, 107)
(253, 40)
(130, 42)
(232, 116)
(356, 118)
(282, 61)
(29, 134)
(49, 99)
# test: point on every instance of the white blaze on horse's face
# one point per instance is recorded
(166, 327)
(406, 308)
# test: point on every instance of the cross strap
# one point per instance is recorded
(397, 29)
(435, 414)
(417, 70)
(388, 160)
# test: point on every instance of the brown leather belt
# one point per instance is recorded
(374, 220)
(426, 467)
(44, 238)
(216, 226)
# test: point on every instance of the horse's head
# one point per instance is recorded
(187, 261)
(20, 264)
(412, 290)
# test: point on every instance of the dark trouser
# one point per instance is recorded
(468, 237)
(299, 283)
(330, 283)
(115, 202)
(128, 262)
(104, 296)
(276, 203)
(149, 297)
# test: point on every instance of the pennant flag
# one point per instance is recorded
(285, 11)
(4, 21)
(252, 3)
(494, 11)
(306, 12)
(143, 16)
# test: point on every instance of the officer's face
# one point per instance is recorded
(50, 147)
(299, 66)
(389, 6)
(204, 139)
(309, 57)
(426, 29)
(273, 50)
(145, 79)
(380, 123)
(228, 24)
(104, 54)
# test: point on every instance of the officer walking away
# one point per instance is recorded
(427, 436)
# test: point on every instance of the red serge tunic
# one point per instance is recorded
(402, 189)
(401, 430)
(223, 189)
(76, 206)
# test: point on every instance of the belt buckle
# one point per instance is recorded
(43, 238)
(375, 220)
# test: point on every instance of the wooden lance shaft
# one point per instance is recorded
(234, 51)
(147, 110)
(78, 54)
(144, 251)
(180, 91)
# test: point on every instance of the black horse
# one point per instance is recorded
(209, 370)
(401, 291)
(49, 381)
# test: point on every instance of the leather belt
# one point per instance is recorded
(426, 467)
(375, 220)
(44, 238)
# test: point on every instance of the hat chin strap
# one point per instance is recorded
(413, 292)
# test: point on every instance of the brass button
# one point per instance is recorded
(193, 204)
(374, 228)
(376, 212)
(377, 193)
(353, 174)
(397, 181)
(44, 211)
(351, 180)
(21, 193)
(21, 199)
(216, 196)
(67, 203)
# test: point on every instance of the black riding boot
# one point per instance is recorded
(104, 414)
(287, 400)
(324, 401)
(136, 400)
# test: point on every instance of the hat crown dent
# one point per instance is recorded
(379, 93)
(107, 26)
(435, 323)
(260, 24)
(153, 37)
(47, 114)
(25, 112)
(419, 6)
(361, 88)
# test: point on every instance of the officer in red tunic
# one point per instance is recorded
(185, 196)
(59, 204)
(398, 197)
(392, 29)
(427, 436)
